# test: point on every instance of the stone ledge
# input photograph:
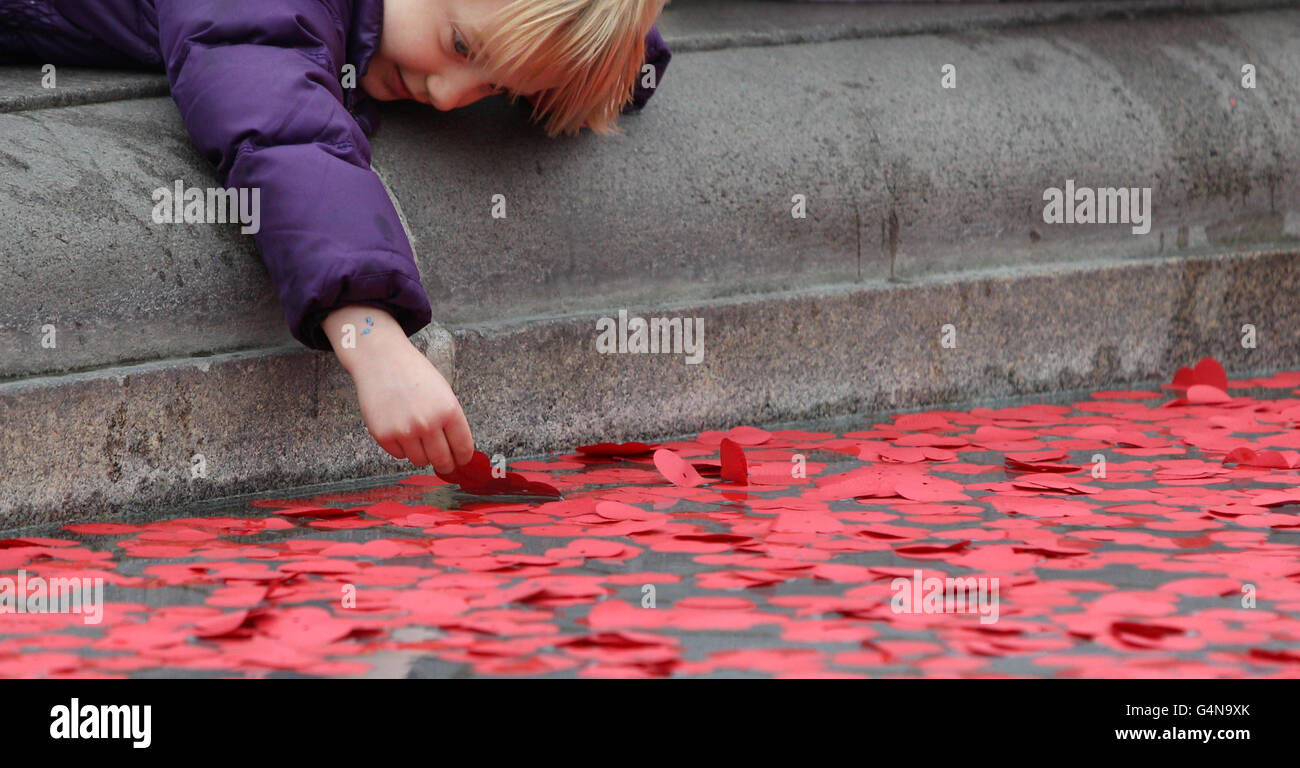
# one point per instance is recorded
(903, 179)
(98, 445)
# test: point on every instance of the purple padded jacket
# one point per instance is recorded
(258, 87)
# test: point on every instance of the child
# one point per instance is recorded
(258, 87)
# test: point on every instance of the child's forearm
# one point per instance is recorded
(359, 333)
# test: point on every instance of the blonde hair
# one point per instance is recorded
(592, 50)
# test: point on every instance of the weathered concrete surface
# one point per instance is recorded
(94, 444)
(23, 88)
(82, 253)
(841, 350)
(695, 200)
(101, 444)
(696, 25)
(84, 256)
(901, 177)
(899, 174)
(692, 25)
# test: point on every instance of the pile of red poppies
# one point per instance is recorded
(1134, 534)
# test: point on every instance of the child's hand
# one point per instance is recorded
(407, 405)
(411, 411)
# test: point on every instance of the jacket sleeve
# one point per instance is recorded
(257, 84)
(657, 55)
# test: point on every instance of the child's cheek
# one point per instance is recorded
(373, 82)
(374, 86)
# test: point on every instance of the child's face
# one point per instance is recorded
(425, 52)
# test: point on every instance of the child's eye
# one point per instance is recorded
(458, 42)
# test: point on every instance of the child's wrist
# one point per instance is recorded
(361, 334)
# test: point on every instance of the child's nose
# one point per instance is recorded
(454, 91)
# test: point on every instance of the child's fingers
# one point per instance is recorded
(389, 444)
(459, 439)
(393, 447)
(414, 451)
(435, 447)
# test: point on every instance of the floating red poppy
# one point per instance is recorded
(478, 476)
